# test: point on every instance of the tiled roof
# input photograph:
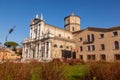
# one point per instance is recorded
(99, 29)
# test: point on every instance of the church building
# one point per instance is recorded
(47, 42)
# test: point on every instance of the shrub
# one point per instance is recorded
(31, 71)
(102, 71)
(52, 71)
(14, 71)
(112, 72)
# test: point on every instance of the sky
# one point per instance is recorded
(19, 13)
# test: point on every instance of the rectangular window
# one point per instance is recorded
(103, 57)
(81, 57)
(59, 35)
(81, 48)
(101, 35)
(93, 47)
(102, 47)
(115, 33)
(68, 37)
(88, 48)
(116, 43)
(93, 37)
(88, 38)
(80, 39)
(88, 57)
(72, 28)
(117, 56)
(93, 57)
(67, 47)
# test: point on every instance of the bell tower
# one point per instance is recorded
(72, 23)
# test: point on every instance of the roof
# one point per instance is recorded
(35, 21)
(64, 39)
(72, 14)
(99, 29)
(57, 27)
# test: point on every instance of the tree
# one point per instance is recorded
(11, 44)
(0, 43)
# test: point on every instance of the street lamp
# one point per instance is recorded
(10, 31)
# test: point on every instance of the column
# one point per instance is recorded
(36, 50)
(33, 33)
(39, 51)
(28, 52)
(49, 50)
(31, 53)
(30, 33)
(23, 53)
(45, 51)
(38, 32)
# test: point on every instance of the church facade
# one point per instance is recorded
(47, 42)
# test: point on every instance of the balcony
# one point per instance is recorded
(88, 42)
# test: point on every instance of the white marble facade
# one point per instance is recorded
(35, 47)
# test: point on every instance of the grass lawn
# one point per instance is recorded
(75, 71)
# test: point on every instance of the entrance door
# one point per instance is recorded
(33, 54)
(66, 54)
(74, 55)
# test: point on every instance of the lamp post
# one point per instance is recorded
(10, 31)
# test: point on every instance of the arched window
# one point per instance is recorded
(55, 45)
(116, 43)
(61, 46)
(93, 37)
(88, 38)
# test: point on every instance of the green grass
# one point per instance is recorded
(75, 71)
